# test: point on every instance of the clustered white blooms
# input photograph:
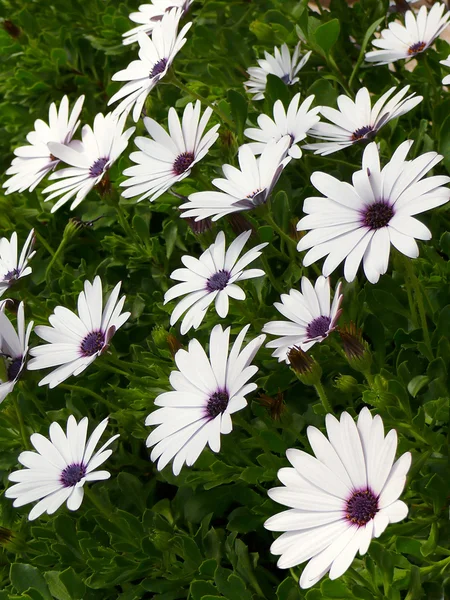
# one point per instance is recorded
(150, 14)
(13, 268)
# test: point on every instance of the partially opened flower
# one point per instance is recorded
(281, 64)
(446, 63)
(310, 317)
(408, 40)
(155, 58)
(150, 14)
(76, 341)
(58, 470)
(168, 158)
(212, 278)
(295, 123)
(244, 188)
(206, 392)
(13, 349)
(358, 121)
(34, 161)
(359, 222)
(90, 159)
(13, 268)
(340, 499)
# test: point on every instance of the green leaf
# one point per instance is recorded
(200, 589)
(326, 35)
(239, 109)
(417, 383)
(141, 228)
(25, 577)
(430, 545)
(288, 590)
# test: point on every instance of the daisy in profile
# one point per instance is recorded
(446, 63)
(340, 499)
(206, 392)
(76, 341)
(295, 123)
(310, 317)
(155, 58)
(415, 36)
(212, 278)
(13, 349)
(90, 159)
(34, 161)
(358, 121)
(150, 14)
(359, 222)
(58, 470)
(281, 64)
(168, 158)
(244, 188)
(12, 269)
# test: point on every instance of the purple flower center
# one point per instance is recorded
(286, 79)
(218, 281)
(183, 162)
(217, 404)
(319, 327)
(377, 215)
(361, 507)
(93, 343)
(73, 474)
(416, 48)
(12, 275)
(14, 368)
(158, 68)
(362, 132)
(98, 167)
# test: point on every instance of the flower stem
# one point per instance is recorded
(412, 280)
(323, 397)
(77, 388)
(21, 424)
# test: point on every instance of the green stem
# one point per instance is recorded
(270, 275)
(56, 257)
(77, 388)
(438, 565)
(291, 244)
(21, 424)
(369, 377)
(323, 397)
(118, 362)
(415, 283)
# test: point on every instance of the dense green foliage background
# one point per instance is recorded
(144, 534)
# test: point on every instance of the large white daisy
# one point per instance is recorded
(358, 121)
(76, 341)
(207, 391)
(155, 57)
(341, 498)
(60, 467)
(244, 188)
(12, 269)
(359, 222)
(446, 63)
(90, 159)
(212, 278)
(168, 157)
(150, 14)
(35, 161)
(408, 40)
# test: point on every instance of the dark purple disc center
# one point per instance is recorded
(183, 162)
(361, 507)
(319, 327)
(362, 132)
(217, 404)
(218, 281)
(73, 474)
(94, 342)
(98, 167)
(14, 368)
(158, 68)
(377, 215)
(416, 48)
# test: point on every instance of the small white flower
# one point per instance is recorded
(446, 63)
(155, 57)
(12, 269)
(90, 159)
(212, 278)
(339, 500)
(35, 161)
(57, 472)
(150, 14)
(295, 123)
(13, 349)
(280, 64)
(207, 391)
(408, 40)
(76, 341)
(359, 222)
(242, 189)
(168, 157)
(357, 121)
(310, 317)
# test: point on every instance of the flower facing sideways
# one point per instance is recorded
(76, 341)
(341, 498)
(150, 14)
(207, 391)
(59, 468)
(12, 269)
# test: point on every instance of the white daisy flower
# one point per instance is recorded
(242, 189)
(12, 269)
(280, 64)
(340, 499)
(57, 472)
(207, 391)
(13, 349)
(295, 123)
(76, 341)
(168, 157)
(310, 317)
(408, 40)
(155, 57)
(357, 121)
(359, 222)
(212, 278)
(90, 159)
(150, 14)
(35, 161)
(446, 63)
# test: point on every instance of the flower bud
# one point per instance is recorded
(356, 349)
(305, 366)
(275, 406)
(346, 383)
(159, 336)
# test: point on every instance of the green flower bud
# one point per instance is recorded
(356, 349)
(304, 366)
(346, 383)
